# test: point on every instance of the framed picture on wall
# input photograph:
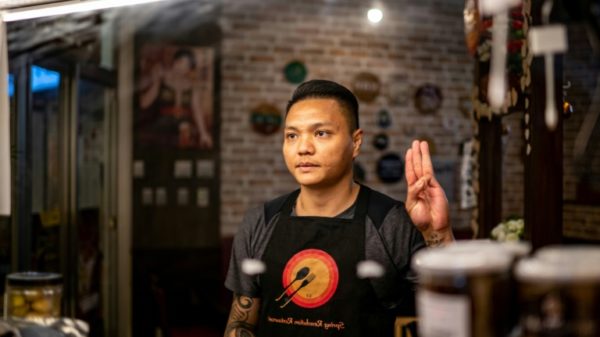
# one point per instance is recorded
(175, 92)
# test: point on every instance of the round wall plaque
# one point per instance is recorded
(390, 168)
(398, 91)
(295, 72)
(366, 87)
(428, 98)
(381, 141)
(265, 119)
(384, 119)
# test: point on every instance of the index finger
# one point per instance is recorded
(426, 159)
(409, 171)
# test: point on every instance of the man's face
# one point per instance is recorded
(318, 147)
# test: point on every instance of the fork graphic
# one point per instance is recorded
(304, 283)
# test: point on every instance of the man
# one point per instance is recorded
(312, 240)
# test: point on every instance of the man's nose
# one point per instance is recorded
(306, 145)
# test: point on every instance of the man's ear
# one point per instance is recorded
(356, 142)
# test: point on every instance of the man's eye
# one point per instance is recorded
(321, 133)
(290, 136)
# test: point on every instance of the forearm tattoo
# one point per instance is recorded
(240, 318)
(433, 239)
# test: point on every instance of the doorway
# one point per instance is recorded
(63, 116)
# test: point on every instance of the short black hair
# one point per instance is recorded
(328, 89)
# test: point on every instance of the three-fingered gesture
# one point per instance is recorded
(426, 202)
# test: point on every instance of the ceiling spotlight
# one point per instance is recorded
(375, 15)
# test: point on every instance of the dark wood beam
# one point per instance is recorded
(544, 164)
(490, 175)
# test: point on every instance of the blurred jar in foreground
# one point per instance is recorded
(464, 290)
(33, 295)
(559, 292)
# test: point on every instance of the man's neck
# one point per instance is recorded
(328, 201)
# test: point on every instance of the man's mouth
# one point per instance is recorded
(306, 165)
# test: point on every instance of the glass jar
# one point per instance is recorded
(517, 250)
(559, 292)
(33, 295)
(464, 290)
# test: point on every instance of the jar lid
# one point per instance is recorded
(33, 278)
(518, 249)
(563, 270)
(562, 264)
(569, 254)
(462, 259)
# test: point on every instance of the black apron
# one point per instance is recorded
(310, 287)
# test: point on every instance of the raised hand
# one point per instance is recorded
(426, 202)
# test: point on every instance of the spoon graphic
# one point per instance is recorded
(304, 283)
(299, 275)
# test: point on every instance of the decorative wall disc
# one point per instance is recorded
(295, 72)
(390, 168)
(366, 87)
(428, 98)
(381, 141)
(384, 119)
(265, 119)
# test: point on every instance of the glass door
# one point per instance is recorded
(95, 228)
(45, 158)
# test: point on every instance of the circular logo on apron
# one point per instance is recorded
(310, 278)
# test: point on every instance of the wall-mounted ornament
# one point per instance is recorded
(472, 21)
(468, 197)
(428, 98)
(360, 174)
(390, 168)
(568, 109)
(398, 91)
(567, 106)
(295, 72)
(366, 87)
(384, 119)
(265, 119)
(381, 141)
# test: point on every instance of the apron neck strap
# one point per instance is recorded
(362, 203)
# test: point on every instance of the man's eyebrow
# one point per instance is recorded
(313, 126)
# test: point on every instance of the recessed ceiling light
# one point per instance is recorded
(375, 15)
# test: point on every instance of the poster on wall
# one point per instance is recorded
(175, 97)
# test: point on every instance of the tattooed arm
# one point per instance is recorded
(243, 316)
